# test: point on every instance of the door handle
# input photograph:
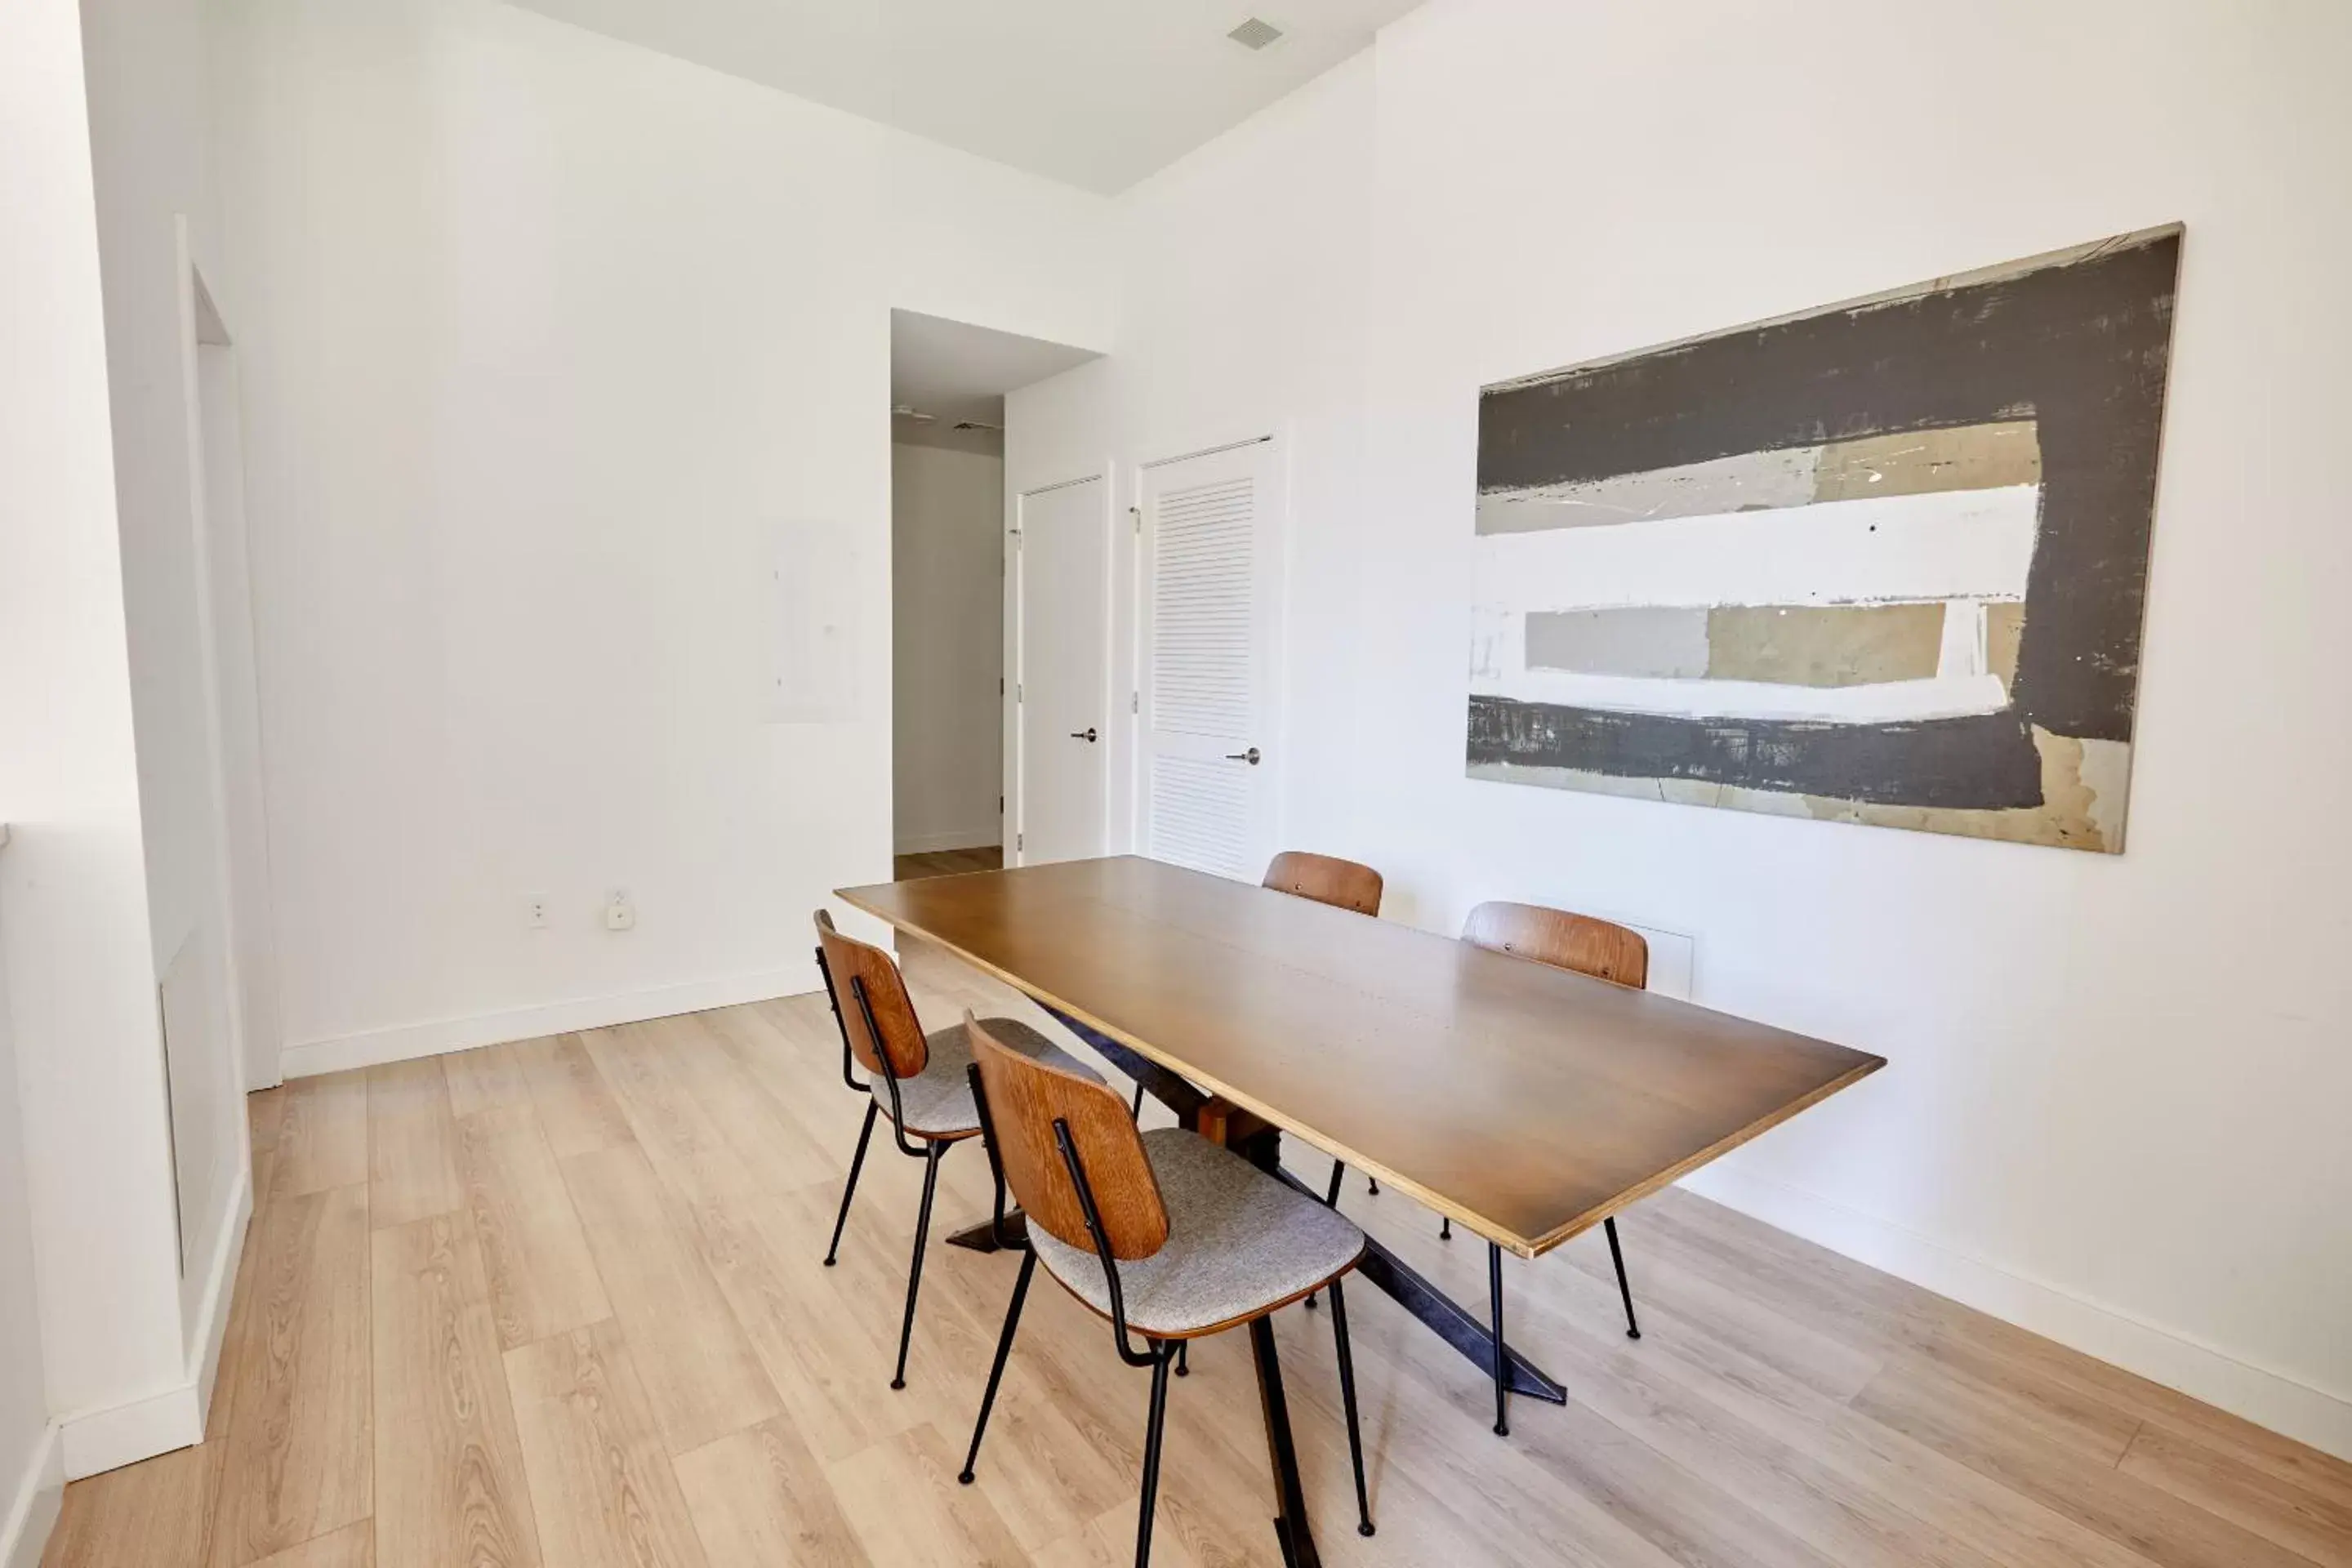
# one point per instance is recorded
(1087, 734)
(1249, 756)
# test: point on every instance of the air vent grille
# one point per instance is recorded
(1254, 34)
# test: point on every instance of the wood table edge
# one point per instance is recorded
(1706, 1156)
(1492, 1230)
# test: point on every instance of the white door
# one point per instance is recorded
(1062, 671)
(1211, 595)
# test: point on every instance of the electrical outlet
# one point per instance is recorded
(534, 910)
(620, 914)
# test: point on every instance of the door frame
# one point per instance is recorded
(1013, 830)
(1277, 436)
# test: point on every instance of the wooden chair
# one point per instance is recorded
(1588, 946)
(924, 1086)
(1343, 884)
(1167, 1236)
(1562, 939)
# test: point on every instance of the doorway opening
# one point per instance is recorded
(955, 580)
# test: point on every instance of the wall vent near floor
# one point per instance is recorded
(1254, 34)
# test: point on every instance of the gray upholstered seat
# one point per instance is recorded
(1239, 1241)
(938, 1100)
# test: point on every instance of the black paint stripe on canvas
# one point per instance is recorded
(1985, 761)
(2080, 345)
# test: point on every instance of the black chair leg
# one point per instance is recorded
(1373, 1184)
(1138, 1102)
(915, 1269)
(856, 1163)
(1003, 1352)
(1347, 1399)
(1183, 1358)
(1617, 1256)
(1502, 1360)
(1445, 1228)
(1156, 1423)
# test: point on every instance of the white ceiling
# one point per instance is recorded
(951, 370)
(1096, 94)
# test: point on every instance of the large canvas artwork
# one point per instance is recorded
(1881, 563)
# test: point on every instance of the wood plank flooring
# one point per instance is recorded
(559, 1302)
(946, 862)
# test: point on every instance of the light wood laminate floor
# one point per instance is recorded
(560, 1302)
(946, 862)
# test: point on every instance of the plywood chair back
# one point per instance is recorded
(1025, 1097)
(902, 1046)
(1327, 879)
(1564, 941)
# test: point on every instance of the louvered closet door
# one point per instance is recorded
(1211, 555)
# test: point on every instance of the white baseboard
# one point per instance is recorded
(987, 838)
(96, 1441)
(220, 1286)
(34, 1503)
(2264, 1396)
(371, 1048)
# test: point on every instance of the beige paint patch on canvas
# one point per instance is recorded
(1744, 482)
(1965, 458)
(1825, 645)
(2084, 790)
(2083, 794)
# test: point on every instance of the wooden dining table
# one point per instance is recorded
(1527, 1103)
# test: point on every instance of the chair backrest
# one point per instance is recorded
(1025, 1098)
(1564, 941)
(902, 1052)
(1326, 879)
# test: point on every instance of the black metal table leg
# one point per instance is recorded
(1290, 1524)
(1502, 1367)
(982, 1237)
(1617, 1256)
(1453, 1322)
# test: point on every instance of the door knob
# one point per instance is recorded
(1085, 735)
(1249, 756)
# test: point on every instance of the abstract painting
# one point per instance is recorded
(1881, 562)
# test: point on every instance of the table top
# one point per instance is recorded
(1527, 1102)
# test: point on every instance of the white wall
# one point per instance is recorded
(946, 533)
(49, 264)
(974, 241)
(2114, 1108)
(151, 154)
(74, 936)
(30, 1479)
(1223, 338)
(547, 342)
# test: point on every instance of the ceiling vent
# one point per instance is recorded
(1254, 34)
